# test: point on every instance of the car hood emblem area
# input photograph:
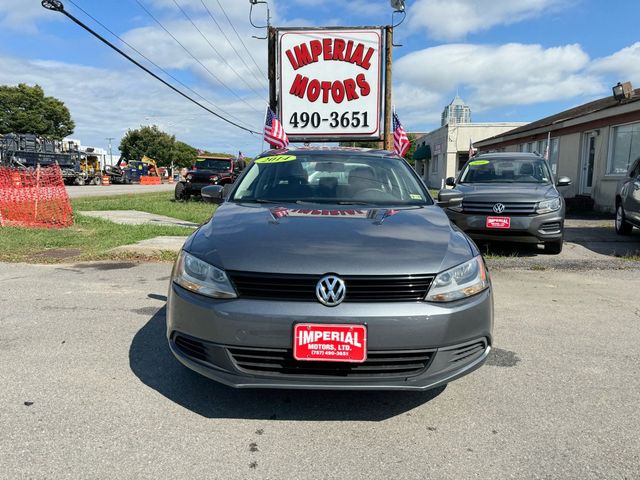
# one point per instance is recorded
(498, 208)
(331, 290)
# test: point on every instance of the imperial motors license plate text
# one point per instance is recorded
(498, 222)
(330, 343)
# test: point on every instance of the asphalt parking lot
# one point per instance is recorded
(90, 390)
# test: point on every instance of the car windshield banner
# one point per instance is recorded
(330, 83)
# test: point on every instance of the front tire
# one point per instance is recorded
(622, 227)
(181, 192)
(553, 248)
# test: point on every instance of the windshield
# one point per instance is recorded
(506, 170)
(216, 165)
(339, 179)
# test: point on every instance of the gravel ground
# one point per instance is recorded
(90, 390)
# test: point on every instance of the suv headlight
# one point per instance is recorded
(189, 177)
(459, 282)
(549, 205)
(200, 277)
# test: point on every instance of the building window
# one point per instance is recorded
(624, 148)
(434, 164)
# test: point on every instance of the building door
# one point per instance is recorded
(587, 163)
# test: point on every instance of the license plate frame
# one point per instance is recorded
(498, 222)
(347, 349)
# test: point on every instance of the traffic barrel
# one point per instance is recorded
(106, 180)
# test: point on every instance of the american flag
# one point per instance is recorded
(274, 134)
(400, 141)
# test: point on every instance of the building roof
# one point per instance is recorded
(575, 112)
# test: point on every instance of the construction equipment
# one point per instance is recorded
(30, 150)
(131, 171)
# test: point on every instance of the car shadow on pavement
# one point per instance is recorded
(153, 363)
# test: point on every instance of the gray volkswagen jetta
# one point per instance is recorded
(330, 268)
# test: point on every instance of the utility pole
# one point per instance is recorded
(110, 153)
(388, 59)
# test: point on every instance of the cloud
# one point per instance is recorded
(504, 75)
(624, 64)
(454, 19)
(23, 15)
(107, 102)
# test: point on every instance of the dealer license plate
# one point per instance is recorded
(330, 342)
(498, 222)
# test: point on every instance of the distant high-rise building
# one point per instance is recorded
(456, 112)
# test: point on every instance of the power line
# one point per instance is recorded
(155, 64)
(57, 6)
(250, 69)
(215, 49)
(195, 58)
(239, 38)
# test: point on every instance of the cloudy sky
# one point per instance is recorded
(509, 60)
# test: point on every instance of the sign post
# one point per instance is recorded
(388, 58)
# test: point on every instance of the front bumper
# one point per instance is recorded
(547, 227)
(456, 338)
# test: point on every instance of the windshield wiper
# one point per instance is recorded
(356, 203)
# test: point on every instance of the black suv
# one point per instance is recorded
(510, 197)
(628, 201)
(208, 171)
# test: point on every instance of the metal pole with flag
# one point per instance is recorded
(401, 142)
(472, 150)
(274, 134)
(547, 149)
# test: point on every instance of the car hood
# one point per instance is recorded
(516, 192)
(277, 239)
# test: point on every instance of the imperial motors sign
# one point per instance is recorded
(330, 83)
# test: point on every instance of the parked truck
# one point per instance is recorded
(30, 150)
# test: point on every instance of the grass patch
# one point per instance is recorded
(161, 203)
(88, 239)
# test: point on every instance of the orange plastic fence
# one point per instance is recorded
(34, 198)
(147, 180)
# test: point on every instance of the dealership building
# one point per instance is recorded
(442, 152)
(594, 144)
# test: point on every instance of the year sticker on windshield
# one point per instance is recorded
(276, 159)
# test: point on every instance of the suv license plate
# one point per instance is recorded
(498, 222)
(330, 342)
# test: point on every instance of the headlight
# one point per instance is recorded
(213, 178)
(189, 177)
(200, 277)
(459, 282)
(549, 205)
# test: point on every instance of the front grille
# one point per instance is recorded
(510, 208)
(359, 288)
(271, 361)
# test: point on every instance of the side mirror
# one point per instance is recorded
(451, 181)
(213, 194)
(449, 198)
(564, 181)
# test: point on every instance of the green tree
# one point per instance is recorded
(409, 155)
(26, 109)
(149, 141)
(184, 155)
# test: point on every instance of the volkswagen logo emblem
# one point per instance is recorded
(330, 290)
(498, 208)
